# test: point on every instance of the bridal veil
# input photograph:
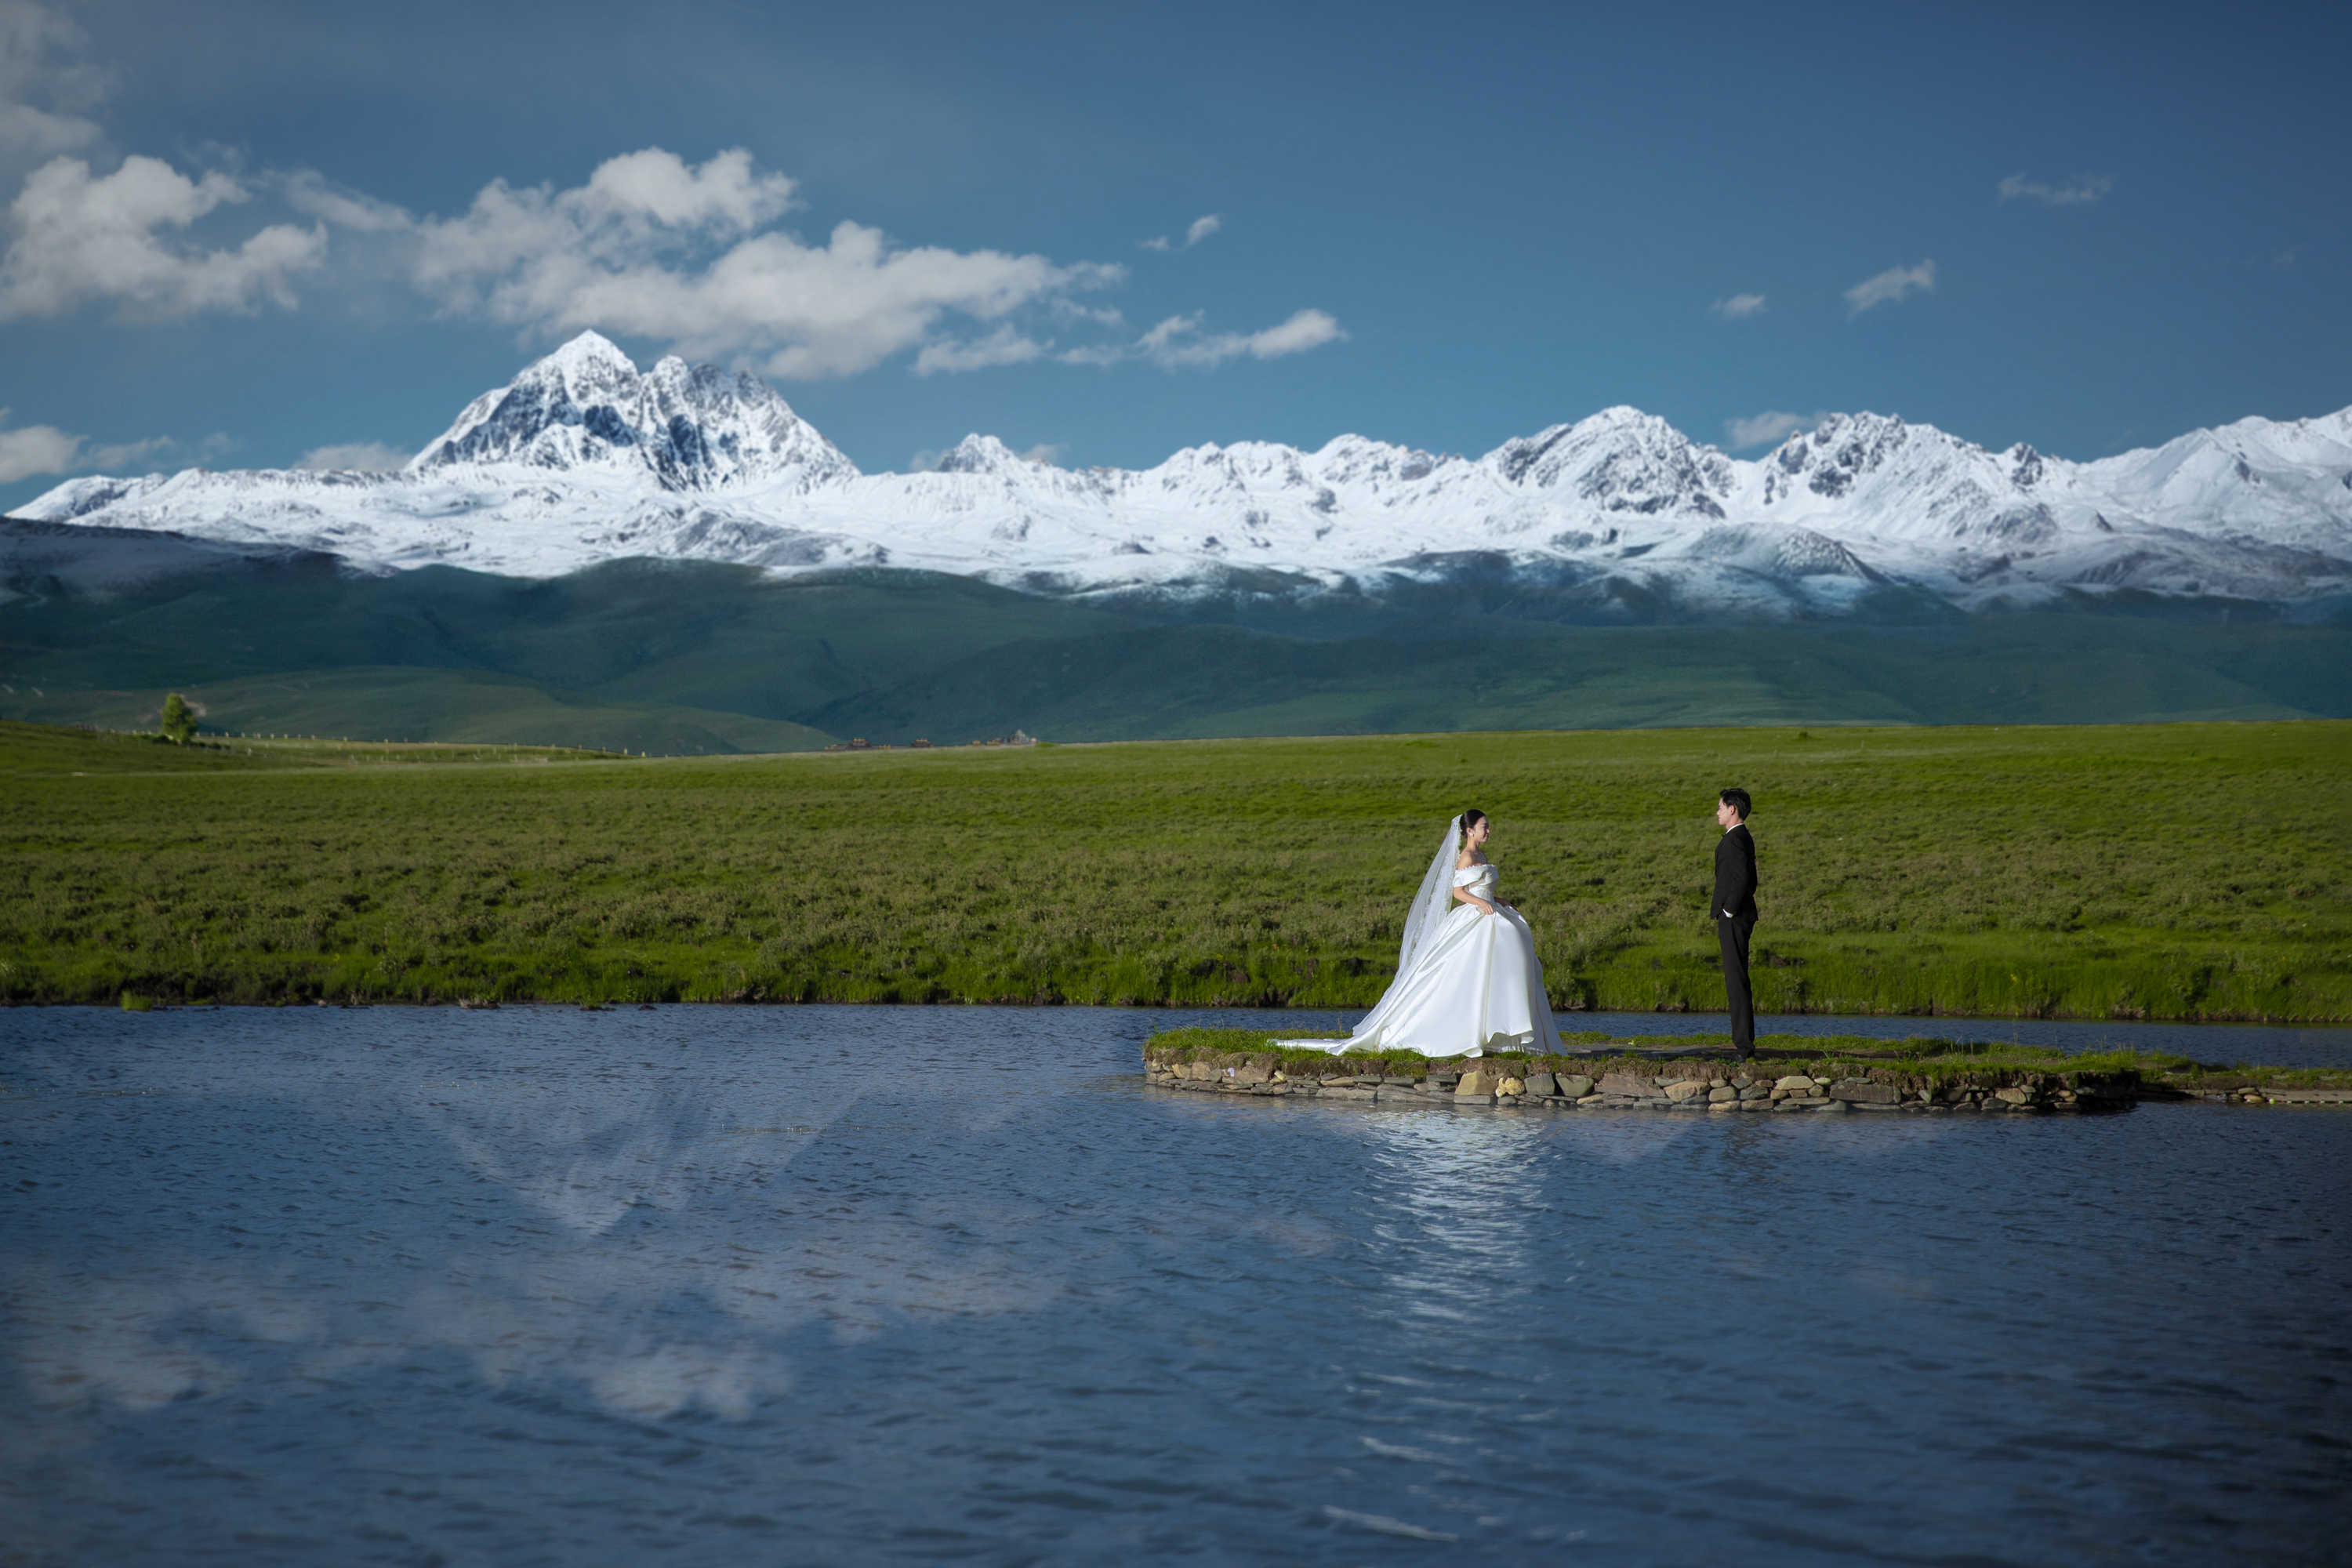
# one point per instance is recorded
(1430, 908)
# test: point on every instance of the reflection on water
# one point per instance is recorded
(1448, 1201)
(825, 1284)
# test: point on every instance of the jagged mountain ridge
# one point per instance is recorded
(584, 459)
(693, 428)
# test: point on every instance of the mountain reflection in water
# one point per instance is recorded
(829, 1285)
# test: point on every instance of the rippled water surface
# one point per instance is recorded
(841, 1285)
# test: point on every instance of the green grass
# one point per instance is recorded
(1918, 1060)
(2180, 871)
(45, 751)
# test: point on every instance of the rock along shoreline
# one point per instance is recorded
(1695, 1081)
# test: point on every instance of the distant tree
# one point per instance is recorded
(178, 722)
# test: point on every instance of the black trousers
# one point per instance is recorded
(1734, 934)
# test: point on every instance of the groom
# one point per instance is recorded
(1735, 912)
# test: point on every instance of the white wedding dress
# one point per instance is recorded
(1466, 981)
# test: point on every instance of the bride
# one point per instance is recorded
(1466, 978)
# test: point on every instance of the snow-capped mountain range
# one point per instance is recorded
(584, 459)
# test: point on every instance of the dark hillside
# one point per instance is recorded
(683, 656)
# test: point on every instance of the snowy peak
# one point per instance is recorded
(2252, 466)
(1623, 462)
(1843, 450)
(584, 459)
(981, 455)
(689, 427)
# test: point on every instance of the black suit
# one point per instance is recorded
(1735, 917)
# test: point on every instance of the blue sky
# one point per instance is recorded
(239, 234)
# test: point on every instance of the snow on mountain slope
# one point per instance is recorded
(692, 429)
(582, 458)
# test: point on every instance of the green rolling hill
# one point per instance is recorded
(684, 657)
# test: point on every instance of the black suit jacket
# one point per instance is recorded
(1735, 875)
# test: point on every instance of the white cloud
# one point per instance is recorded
(2080, 191)
(36, 449)
(134, 453)
(46, 450)
(80, 238)
(1002, 346)
(1202, 227)
(524, 254)
(307, 191)
(354, 457)
(122, 238)
(649, 246)
(658, 248)
(1765, 429)
(1895, 283)
(1099, 353)
(1304, 330)
(39, 93)
(1738, 307)
(1069, 310)
(1177, 342)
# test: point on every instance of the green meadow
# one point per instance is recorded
(2173, 871)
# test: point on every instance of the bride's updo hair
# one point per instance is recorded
(1470, 819)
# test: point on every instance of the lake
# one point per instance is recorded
(837, 1284)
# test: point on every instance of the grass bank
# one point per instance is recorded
(1919, 1061)
(2178, 871)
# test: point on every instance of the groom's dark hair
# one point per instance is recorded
(1737, 800)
